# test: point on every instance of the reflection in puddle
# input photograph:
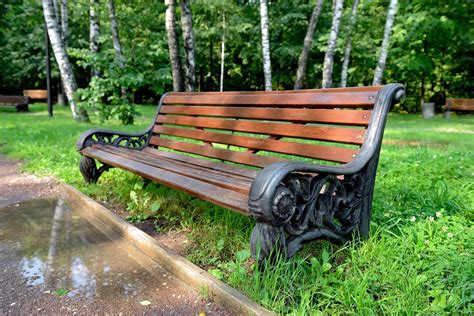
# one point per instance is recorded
(57, 248)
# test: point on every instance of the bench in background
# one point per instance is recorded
(302, 163)
(14, 101)
(464, 105)
(36, 94)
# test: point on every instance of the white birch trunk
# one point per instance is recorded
(115, 34)
(188, 38)
(173, 45)
(332, 42)
(94, 30)
(308, 41)
(347, 51)
(221, 84)
(65, 69)
(64, 22)
(267, 65)
(392, 8)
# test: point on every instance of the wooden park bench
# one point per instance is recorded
(36, 94)
(14, 101)
(465, 105)
(302, 163)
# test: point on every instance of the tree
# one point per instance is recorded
(188, 38)
(267, 65)
(392, 8)
(331, 47)
(64, 22)
(94, 31)
(173, 45)
(62, 59)
(116, 39)
(308, 41)
(221, 82)
(347, 50)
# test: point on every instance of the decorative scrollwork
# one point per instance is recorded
(306, 207)
(119, 140)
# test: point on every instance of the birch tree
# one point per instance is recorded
(267, 65)
(308, 41)
(188, 38)
(116, 40)
(347, 50)
(221, 83)
(392, 8)
(173, 45)
(331, 47)
(64, 22)
(65, 69)
(94, 30)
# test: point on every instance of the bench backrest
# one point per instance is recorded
(460, 104)
(13, 99)
(251, 127)
(36, 94)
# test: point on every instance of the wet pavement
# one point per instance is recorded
(53, 260)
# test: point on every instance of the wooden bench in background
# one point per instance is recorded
(36, 94)
(262, 154)
(465, 105)
(14, 101)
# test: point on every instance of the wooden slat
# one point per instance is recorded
(317, 100)
(346, 117)
(214, 177)
(334, 134)
(327, 90)
(218, 153)
(215, 194)
(213, 165)
(292, 148)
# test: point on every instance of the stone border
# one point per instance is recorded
(180, 267)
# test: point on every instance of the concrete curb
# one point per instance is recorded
(183, 269)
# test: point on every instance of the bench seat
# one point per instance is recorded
(230, 184)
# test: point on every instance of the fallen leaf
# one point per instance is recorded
(145, 303)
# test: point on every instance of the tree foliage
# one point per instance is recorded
(431, 43)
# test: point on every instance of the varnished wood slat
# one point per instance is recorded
(325, 133)
(327, 90)
(292, 148)
(316, 100)
(213, 165)
(220, 179)
(212, 193)
(346, 117)
(218, 153)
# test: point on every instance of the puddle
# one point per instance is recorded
(47, 244)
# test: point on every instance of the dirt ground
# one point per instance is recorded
(18, 297)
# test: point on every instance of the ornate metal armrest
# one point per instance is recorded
(114, 138)
(296, 202)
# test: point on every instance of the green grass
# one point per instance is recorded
(419, 258)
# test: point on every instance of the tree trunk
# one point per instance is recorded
(116, 40)
(65, 37)
(65, 69)
(347, 51)
(392, 8)
(221, 87)
(308, 41)
(267, 65)
(188, 38)
(332, 42)
(173, 45)
(64, 22)
(94, 30)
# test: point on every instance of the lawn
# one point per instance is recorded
(419, 258)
